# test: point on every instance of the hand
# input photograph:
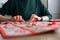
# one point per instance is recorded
(17, 19)
(34, 18)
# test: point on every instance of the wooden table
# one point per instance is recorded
(46, 36)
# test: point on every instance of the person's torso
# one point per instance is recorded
(25, 8)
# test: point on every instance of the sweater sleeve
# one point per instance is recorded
(1, 12)
(44, 11)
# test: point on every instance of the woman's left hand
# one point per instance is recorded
(34, 18)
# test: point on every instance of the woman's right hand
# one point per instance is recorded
(17, 18)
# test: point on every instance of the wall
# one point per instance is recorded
(59, 7)
(2, 2)
(54, 8)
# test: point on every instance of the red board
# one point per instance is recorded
(10, 29)
(56, 20)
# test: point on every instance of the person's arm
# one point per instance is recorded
(44, 11)
(3, 18)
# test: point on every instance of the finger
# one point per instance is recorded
(21, 19)
(39, 18)
(36, 17)
(14, 17)
(17, 18)
(32, 16)
(32, 20)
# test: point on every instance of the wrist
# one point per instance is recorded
(45, 18)
(8, 19)
(41, 19)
